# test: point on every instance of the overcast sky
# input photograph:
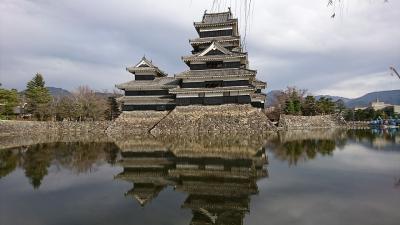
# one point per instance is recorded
(295, 43)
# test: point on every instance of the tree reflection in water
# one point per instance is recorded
(36, 160)
(75, 156)
(8, 162)
(300, 146)
(293, 147)
(217, 174)
(294, 151)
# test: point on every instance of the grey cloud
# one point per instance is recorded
(91, 42)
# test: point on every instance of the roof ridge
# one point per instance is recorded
(213, 46)
(144, 60)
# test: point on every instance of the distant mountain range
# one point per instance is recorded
(390, 97)
(59, 92)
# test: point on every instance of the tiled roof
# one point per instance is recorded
(216, 19)
(229, 22)
(213, 57)
(209, 40)
(145, 66)
(214, 46)
(226, 54)
(139, 100)
(211, 90)
(258, 97)
(145, 194)
(259, 83)
(156, 84)
(216, 73)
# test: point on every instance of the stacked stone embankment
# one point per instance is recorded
(22, 133)
(135, 123)
(358, 125)
(12, 127)
(234, 119)
(221, 119)
(290, 122)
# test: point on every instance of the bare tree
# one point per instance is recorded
(83, 105)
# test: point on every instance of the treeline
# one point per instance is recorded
(294, 101)
(36, 102)
(369, 114)
(9, 99)
(35, 160)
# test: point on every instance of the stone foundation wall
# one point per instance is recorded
(289, 122)
(233, 119)
(358, 124)
(221, 119)
(21, 128)
(135, 123)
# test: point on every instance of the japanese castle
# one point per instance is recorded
(218, 73)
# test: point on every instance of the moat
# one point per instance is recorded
(320, 177)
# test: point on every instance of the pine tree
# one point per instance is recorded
(113, 110)
(297, 106)
(38, 97)
(309, 107)
(9, 99)
(325, 106)
(289, 108)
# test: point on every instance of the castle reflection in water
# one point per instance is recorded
(217, 174)
(218, 183)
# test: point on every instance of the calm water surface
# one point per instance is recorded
(320, 177)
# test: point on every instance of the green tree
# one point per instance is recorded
(290, 101)
(389, 111)
(348, 114)
(38, 98)
(113, 110)
(325, 106)
(289, 108)
(297, 106)
(340, 107)
(309, 107)
(9, 99)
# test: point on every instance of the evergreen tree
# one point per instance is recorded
(289, 101)
(325, 106)
(289, 107)
(297, 106)
(38, 97)
(340, 106)
(9, 99)
(309, 107)
(113, 110)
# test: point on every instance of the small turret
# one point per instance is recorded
(145, 70)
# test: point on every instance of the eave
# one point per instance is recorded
(194, 58)
(209, 40)
(244, 89)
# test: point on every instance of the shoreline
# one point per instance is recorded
(14, 140)
(225, 119)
